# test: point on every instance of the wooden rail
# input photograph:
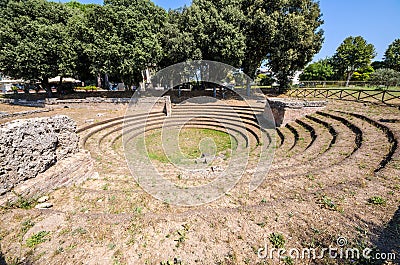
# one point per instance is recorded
(385, 96)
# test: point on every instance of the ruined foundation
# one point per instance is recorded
(288, 110)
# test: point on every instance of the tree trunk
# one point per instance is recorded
(59, 88)
(106, 82)
(283, 82)
(98, 80)
(349, 75)
(47, 87)
(248, 86)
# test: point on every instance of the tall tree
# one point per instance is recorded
(207, 30)
(354, 53)
(79, 30)
(392, 55)
(244, 33)
(177, 41)
(259, 27)
(297, 40)
(34, 43)
(123, 38)
(215, 27)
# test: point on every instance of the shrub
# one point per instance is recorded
(277, 240)
(265, 80)
(327, 203)
(385, 77)
(377, 200)
(88, 88)
(36, 239)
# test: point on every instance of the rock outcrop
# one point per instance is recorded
(284, 110)
(31, 146)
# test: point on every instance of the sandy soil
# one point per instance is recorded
(316, 191)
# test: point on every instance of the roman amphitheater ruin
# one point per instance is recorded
(66, 182)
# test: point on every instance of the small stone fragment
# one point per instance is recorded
(43, 199)
(45, 205)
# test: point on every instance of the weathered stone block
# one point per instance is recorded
(29, 147)
(288, 110)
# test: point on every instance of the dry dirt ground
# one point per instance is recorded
(335, 174)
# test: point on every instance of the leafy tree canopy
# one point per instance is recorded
(392, 55)
(35, 44)
(378, 65)
(41, 39)
(297, 40)
(386, 77)
(363, 74)
(318, 71)
(354, 53)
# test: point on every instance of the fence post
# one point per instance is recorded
(383, 96)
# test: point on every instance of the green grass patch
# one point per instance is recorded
(192, 143)
(36, 239)
(277, 240)
(377, 200)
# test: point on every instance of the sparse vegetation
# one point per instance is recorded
(22, 203)
(277, 240)
(26, 225)
(36, 239)
(182, 233)
(377, 200)
(288, 260)
(328, 203)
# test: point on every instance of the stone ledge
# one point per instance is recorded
(284, 111)
(54, 101)
(4, 115)
(295, 104)
(67, 172)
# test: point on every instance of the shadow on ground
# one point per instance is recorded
(388, 240)
(2, 260)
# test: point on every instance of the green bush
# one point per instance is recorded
(385, 77)
(36, 239)
(265, 80)
(14, 89)
(363, 74)
(377, 200)
(277, 240)
(88, 88)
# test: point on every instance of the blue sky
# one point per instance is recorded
(378, 21)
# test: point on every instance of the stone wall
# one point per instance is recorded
(4, 115)
(284, 110)
(163, 102)
(31, 146)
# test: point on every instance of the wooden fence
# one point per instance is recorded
(385, 96)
